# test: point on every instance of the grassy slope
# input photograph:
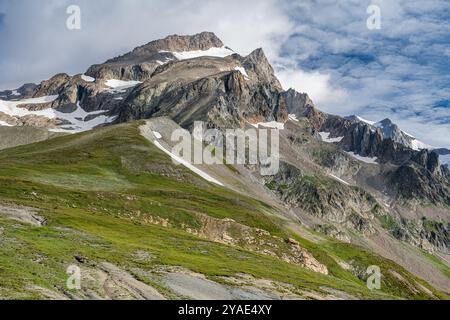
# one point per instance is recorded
(99, 188)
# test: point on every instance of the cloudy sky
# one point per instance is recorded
(322, 47)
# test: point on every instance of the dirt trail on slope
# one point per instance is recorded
(119, 284)
(104, 281)
(188, 284)
(198, 288)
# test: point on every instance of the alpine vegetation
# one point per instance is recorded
(184, 170)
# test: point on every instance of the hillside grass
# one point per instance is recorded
(98, 190)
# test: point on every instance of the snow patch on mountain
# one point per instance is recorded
(293, 117)
(188, 165)
(326, 138)
(161, 63)
(363, 159)
(11, 108)
(4, 124)
(119, 85)
(78, 119)
(271, 124)
(419, 145)
(339, 179)
(360, 119)
(87, 78)
(157, 135)
(212, 52)
(243, 72)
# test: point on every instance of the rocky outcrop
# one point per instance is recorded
(429, 160)
(301, 105)
(415, 174)
(230, 232)
(140, 63)
(257, 63)
(391, 131)
(30, 121)
(324, 198)
(224, 99)
(53, 86)
(427, 234)
(414, 181)
(175, 43)
(366, 140)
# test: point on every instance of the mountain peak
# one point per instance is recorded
(355, 118)
(140, 63)
(257, 62)
(199, 41)
(386, 122)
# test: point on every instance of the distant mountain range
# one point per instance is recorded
(390, 130)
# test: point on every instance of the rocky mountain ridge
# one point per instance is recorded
(197, 78)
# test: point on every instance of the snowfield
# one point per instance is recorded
(243, 72)
(363, 159)
(157, 135)
(188, 165)
(271, 124)
(121, 84)
(339, 179)
(76, 118)
(212, 52)
(87, 78)
(326, 138)
(419, 145)
(11, 107)
(4, 124)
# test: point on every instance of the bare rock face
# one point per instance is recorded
(301, 105)
(324, 198)
(307, 259)
(429, 160)
(52, 86)
(257, 63)
(414, 174)
(201, 41)
(23, 91)
(210, 90)
(298, 103)
(391, 131)
(413, 181)
(140, 63)
(29, 121)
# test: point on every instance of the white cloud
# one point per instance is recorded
(317, 85)
(399, 72)
(36, 43)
